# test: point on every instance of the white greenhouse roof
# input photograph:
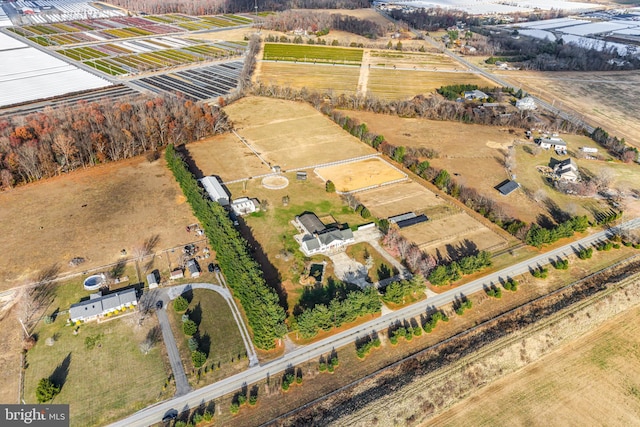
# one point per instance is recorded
(28, 74)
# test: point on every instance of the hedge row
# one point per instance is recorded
(260, 302)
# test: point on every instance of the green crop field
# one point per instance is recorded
(305, 53)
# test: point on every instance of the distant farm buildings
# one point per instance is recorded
(554, 142)
(244, 206)
(475, 94)
(99, 306)
(526, 103)
(507, 187)
(319, 238)
(407, 219)
(566, 170)
(215, 190)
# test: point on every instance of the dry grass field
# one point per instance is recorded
(396, 199)
(594, 380)
(207, 155)
(431, 61)
(606, 99)
(438, 236)
(472, 154)
(292, 134)
(318, 77)
(94, 214)
(357, 175)
(384, 83)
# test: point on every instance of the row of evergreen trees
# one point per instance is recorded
(260, 302)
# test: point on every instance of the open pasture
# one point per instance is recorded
(318, 77)
(597, 97)
(361, 174)
(589, 381)
(383, 83)
(306, 53)
(420, 60)
(472, 154)
(292, 134)
(441, 236)
(396, 199)
(237, 162)
(92, 213)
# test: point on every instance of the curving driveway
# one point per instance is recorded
(302, 354)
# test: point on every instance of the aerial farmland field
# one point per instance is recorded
(311, 138)
(361, 174)
(319, 77)
(399, 198)
(306, 53)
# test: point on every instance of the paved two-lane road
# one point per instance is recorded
(231, 384)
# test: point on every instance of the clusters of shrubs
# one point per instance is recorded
(511, 285)
(561, 264)
(603, 218)
(407, 333)
(244, 276)
(338, 311)
(494, 291)
(363, 211)
(462, 306)
(190, 329)
(585, 253)
(616, 146)
(538, 236)
(444, 274)
(396, 292)
(290, 378)
(540, 273)
(607, 246)
(364, 345)
(242, 398)
(430, 324)
(330, 363)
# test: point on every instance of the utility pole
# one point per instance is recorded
(256, 7)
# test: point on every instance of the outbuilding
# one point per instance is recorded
(215, 190)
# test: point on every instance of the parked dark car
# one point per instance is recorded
(159, 305)
(212, 267)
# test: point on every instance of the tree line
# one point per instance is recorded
(321, 23)
(259, 301)
(55, 141)
(212, 7)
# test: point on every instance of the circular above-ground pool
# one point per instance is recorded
(94, 282)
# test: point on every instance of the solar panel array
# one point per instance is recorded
(198, 84)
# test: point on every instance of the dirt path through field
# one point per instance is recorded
(363, 80)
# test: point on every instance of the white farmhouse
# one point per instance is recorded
(319, 238)
(567, 170)
(98, 305)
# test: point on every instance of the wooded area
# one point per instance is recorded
(259, 301)
(321, 23)
(212, 7)
(48, 143)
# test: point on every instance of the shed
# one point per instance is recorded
(412, 221)
(152, 280)
(397, 218)
(177, 274)
(193, 267)
(507, 187)
(301, 176)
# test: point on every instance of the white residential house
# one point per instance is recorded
(554, 142)
(475, 94)
(566, 170)
(319, 238)
(99, 306)
(215, 190)
(526, 103)
(244, 206)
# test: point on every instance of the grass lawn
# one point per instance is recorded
(380, 268)
(218, 336)
(306, 53)
(273, 232)
(104, 383)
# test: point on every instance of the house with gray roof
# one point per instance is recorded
(99, 306)
(567, 170)
(318, 238)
